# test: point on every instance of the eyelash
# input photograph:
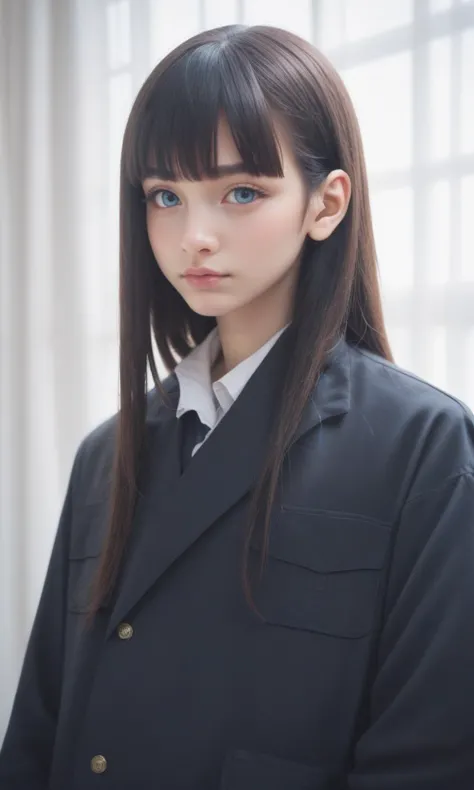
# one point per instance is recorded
(151, 195)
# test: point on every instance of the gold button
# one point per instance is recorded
(125, 631)
(99, 764)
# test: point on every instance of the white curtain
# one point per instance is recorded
(69, 70)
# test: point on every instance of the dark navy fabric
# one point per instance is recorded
(354, 669)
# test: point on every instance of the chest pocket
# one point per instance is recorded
(323, 572)
(87, 537)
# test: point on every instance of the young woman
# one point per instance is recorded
(263, 572)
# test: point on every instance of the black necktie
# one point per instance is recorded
(193, 432)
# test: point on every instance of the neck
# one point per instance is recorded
(244, 331)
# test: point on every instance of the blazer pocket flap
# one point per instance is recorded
(87, 538)
(88, 531)
(323, 573)
(328, 542)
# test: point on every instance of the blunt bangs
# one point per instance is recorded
(173, 133)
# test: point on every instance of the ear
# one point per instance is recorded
(329, 205)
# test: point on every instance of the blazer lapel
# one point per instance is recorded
(173, 511)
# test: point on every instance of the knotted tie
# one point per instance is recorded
(193, 432)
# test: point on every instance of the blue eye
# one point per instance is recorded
(164, 198)
(245, 195)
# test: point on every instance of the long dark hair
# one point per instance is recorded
(251, 76)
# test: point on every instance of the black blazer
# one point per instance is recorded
(359, 671)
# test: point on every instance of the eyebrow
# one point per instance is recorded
(218, 172)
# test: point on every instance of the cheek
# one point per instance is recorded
(162, 239)
(274, 229)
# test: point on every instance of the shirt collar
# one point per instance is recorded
(198, 393)
(194, 377)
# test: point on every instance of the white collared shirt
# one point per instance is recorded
(212, 400)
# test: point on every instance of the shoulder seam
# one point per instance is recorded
(393, 366)
(467, 471)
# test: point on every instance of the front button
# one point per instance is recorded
(99, 764)
(125, 631)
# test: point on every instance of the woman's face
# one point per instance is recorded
(247, 231)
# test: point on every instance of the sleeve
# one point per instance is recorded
(420, 730)
(25, 757)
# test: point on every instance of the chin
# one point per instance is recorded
(210, 308)
(209, 312)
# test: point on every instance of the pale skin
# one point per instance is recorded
(249, 228)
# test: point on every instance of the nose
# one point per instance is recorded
(198, 235)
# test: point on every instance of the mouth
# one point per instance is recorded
(204, 278)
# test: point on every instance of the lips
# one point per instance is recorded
(203, 278)
(202, 272)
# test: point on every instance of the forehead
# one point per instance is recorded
(228, 153)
